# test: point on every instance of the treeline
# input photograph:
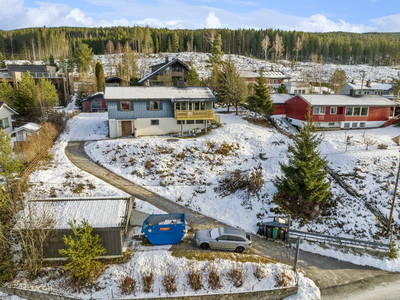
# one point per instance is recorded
(333, 47)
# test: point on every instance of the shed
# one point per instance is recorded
(21, 133)
(94, 103)
(108, 216)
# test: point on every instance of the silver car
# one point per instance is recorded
(224, 238)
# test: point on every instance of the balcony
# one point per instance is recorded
(208, 114)
(328, 118)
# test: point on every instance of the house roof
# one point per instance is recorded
(345, 100)
(175, 94)
(2, 104)
(248, 74)
(374, 86)
(100, 213)
(162, 67)
(275, 75)
(280, 98)
(32, 127)
(98, 95)
(111, 79)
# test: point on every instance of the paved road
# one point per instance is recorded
(336, 279)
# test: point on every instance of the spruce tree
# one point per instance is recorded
(282, 89)
(304, 181)
(6, 92)
(192, 78)
(83, 57)
(82, 248)
(26, 95)
(260, 102)
(47, 96)
(100, 80)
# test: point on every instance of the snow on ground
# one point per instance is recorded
(59, 177)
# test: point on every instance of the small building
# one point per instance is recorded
(139, 110)
(368, 87)
(117, 81)
(340, 111)
(109, 217)
(22, 133)
(62, 82)
(279, 101)
(168, 73)
(94, 103)
(298, 87)
(6, 112)
(273, 78)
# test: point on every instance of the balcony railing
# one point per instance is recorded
(194, 114)
(328, 118)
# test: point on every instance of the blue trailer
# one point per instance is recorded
(164, 229)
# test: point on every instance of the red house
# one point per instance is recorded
(279, 101)
(340, 111)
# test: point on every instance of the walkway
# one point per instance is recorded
(334, 278)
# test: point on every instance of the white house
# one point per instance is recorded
(26, 130)
(6, 112)
(355, 88)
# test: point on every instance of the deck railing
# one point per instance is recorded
(194, 114)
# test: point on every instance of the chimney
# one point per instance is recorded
(368, 83)
(166, 59)
(181, 83)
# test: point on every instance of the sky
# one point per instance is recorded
(300, 15)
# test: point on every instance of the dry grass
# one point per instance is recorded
(195, 277)
(214, 280)
(282, 279)
(237, 275)
(211, 256)
(128, 286)
(259, 273)
(169, 280)
(147, 279)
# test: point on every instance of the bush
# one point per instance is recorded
(195, 277)
(81, 249)
(282, 279)
(148, 279)
(214, 280)
(128, 286)
(393, 250)
(237, 275)
(382, 146)
(259, 273)
(169, 281)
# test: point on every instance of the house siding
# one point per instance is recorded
(6, 114)
(139, 110)
(296, 108)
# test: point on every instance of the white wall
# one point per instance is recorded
(5, 113)
(370, 124)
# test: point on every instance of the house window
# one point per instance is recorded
(295, 91)
(354, 125)
(190, 122)
(346, 125)
(317, 124)
(125, 105)
(180, 122)
(4, 123)
(199, 121)
(202, 106)
(349, 111)
(319, 110)
(331, 123)
(364, 111)
(155, 122)
(154, 105)
(356, 111)
(362, 125)
(333, 110)
(197, 106)
(95, 100)
(303, 91)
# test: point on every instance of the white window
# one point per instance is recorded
(346, 125)
(319, 110)
(333, 110)
(357, 111)
(155, 122)
(354, 125)
(331, 123)
(317, 124)
(4, 123)
(362, 125)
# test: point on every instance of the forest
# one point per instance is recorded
(333, 47)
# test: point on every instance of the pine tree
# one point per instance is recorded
(260, 102)
(83, 57)
(6, 92)
(26, 95)
(192, 78)
(47, 96)
(304, 181)
(282, 89)
(216, 53)
(82, 248)
(232, 89)
(100, 80)
(2, 63)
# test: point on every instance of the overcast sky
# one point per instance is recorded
(301, 15)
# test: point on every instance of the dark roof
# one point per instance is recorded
(95, 96)
(115, 79)
(162, 67)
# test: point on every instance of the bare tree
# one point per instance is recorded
(347, 139)
(299, 46)
(368, 141)
(277, 45)
(209, 35)
(265, 43)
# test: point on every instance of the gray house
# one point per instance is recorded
(138, 110)
(6, 112)
(95, 103)
(108, 216)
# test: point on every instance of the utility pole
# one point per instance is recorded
(393, 200)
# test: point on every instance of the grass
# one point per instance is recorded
(212, 256)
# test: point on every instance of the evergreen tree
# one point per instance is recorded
(232, 89)
(2, 62)
(192, 78)
(216, 53)
(6, 92)
(260, 102)
(282, 89)
(304, 181)
(26, 95)
(338, 80)
(83, 57)
(100, 80)
(47, 96)
(396, 86)
(82, 248)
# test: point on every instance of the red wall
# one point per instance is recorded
(103, 103)
(280, 109)
(378, 113)
(296, 108)
(87, 105)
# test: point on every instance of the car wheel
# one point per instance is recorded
(239, 250)
(205, 246)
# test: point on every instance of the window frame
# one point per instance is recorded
(129, 105)
(361, 108)
(321, 110)
(347, 125)
(362, 124)
(189, 122)
(154, 101)
(334, 108)
(154, 122)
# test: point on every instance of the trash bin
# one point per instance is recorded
(275, 233)
(269, 232)
(282, 233)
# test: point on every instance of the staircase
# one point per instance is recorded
(216, 119)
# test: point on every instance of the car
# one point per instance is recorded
(223, 238)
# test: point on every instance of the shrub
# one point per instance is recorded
(169, 281)
(259, 273)
(393, 250)
(282, 279)
(195, 277)
(214, 280)
(148, 279)
(149, 165)
(237, 275)
(82, 248)
(382, 146)
(128, 286)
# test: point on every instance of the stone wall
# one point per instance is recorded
(277, 294)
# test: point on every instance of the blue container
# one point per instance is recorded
(164, 229)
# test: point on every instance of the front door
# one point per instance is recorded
(126, 128)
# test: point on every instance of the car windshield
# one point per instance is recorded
(214, 233)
